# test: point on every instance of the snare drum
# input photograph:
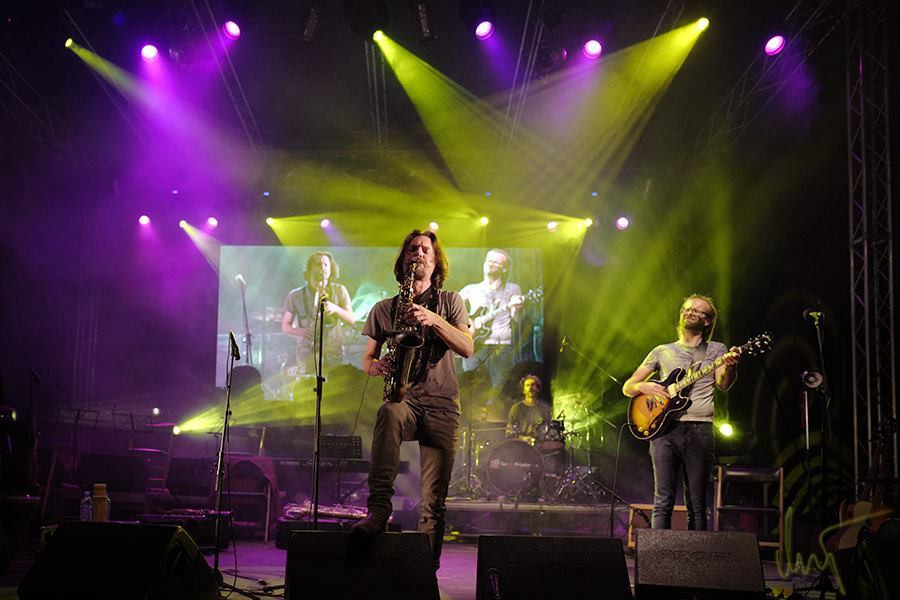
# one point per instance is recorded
(514, 467)
(551, 436)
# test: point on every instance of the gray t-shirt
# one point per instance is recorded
(665, 358)
(432, 380)
(524, 419)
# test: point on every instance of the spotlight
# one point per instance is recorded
(144, 220)
(622, 223)
(592, 49)
(552, 225)
(231, 30)
(176, 430)
(433, 226)
(422, 21)
(149, 53)
(212, 222)
(270, 221)
(378, 35)
(484, 30)
(174, 192)
(726, 429)
(588, 222)
(479, 17)
(183, 224)
(595, 194)
(325, 223)
(155, 411)
(265, 194)
(484, 221)
(775, 45)
(488, 194)
(702, 24)
(69, 42)
(313, 22)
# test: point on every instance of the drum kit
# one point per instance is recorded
(523, 468)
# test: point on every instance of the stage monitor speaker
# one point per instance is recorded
(119, 561)
(715, 565)
(525, 567)
(336, 564)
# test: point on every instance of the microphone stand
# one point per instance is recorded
(233, 354)
(317, 427)
(825, 390)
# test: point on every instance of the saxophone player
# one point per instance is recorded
(428, 411)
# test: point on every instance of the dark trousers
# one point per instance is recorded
(436, 432)
(689, 450)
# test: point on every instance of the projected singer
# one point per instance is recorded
(426, 408)
(300, 307)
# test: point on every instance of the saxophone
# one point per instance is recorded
(402, 343)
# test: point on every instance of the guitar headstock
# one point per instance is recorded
(757, 346)
(534, 295)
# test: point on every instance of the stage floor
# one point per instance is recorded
(264, 565)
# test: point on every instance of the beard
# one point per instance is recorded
(695, 325)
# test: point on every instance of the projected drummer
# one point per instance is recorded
(527, 416)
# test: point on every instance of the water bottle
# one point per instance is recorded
(87, 506)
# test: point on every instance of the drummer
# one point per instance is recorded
(527, 415)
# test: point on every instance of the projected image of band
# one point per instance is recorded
(268, 296)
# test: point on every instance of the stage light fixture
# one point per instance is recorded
(325, 223)
(231, 30)
(726, 429)
(144, 220)
(479, 17)
(595, 194)
(366, 17)
(484, 221)
(422, 20)
(212, 222)
(69, 42)
(378, 35)
(488, 194)
(176, 430)
(703, 24)
(155, 411)
(313, 24)
(552, 226)
(588, 222)
(149, 53)
(433, 226)
(775, 45)
(174, 192)
(183, 224)
(592, 49)
(622, 223)
(270, 221)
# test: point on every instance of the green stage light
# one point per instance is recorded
(378, 35)
(726, 429)
(176, 430)
(69, 42)
(484, 221)
(588, 222)
(702, 24)
(270, 221)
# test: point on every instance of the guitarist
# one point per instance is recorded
(494, 307)
(689, 445)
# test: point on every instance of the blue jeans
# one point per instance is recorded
(688, 449)
(436, 432)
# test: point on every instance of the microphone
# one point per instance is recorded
(563, 343)
(240, 279)
(813, 315)
(493, 578)
(235, 351)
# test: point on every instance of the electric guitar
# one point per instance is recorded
(647, 415)
(484, 316)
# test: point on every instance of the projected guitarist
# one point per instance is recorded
(687, 446)
(300, 308)
(494, 306)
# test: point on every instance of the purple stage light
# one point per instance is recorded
(144, 220)
(149, 53)
(484, 30)
(592, 49)
(622, 223)
(212, 222)
(775, 45)
(231, 29)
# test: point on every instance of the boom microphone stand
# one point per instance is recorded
(233, 355)
(317, 428)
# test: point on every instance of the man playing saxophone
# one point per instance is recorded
(428, 410)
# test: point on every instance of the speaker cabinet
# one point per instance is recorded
(336, 564)
(525, 567)
(718, 565)
(119, 561)
(640, 516)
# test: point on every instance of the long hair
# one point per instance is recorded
(441, 264)
(708, 330)
(335, 268)
(531, 376)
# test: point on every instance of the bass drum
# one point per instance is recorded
(514, 468)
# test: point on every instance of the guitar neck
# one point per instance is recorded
(691, 378)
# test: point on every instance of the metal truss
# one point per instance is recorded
(871, 238)
(375, 79)
(809, 23)
(32, 113)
